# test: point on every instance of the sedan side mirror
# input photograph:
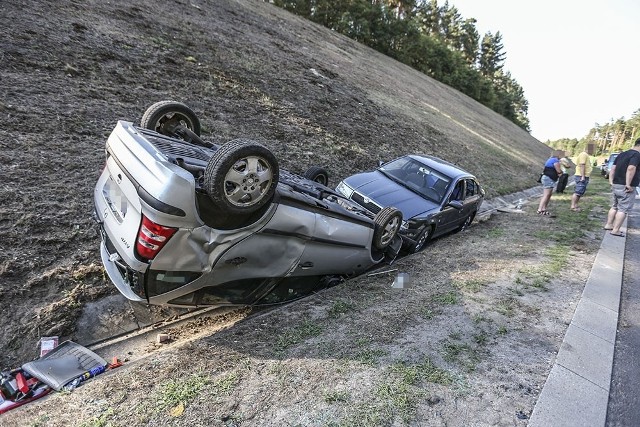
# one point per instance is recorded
(455, 204)
(380, 163)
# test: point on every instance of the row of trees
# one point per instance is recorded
(617, 135)
(433, 39)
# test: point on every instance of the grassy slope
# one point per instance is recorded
(70, 70)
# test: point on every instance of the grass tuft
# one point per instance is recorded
(448, 298)
(335, 396)
(339, 308)
(306, 329)
(182, 390)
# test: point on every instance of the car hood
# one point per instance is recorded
(387, 192)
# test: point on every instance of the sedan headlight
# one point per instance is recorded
(344, 189)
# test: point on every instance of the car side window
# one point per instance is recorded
(472, 189)
(458, 191)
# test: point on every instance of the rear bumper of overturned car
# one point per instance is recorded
(120, 274)
(118, 271)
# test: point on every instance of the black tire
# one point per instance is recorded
(467, 222)
(317, 174)
(387, 225)
(241, 177)
(421, 240)
(164, 115)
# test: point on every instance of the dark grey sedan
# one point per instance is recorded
(434, 196)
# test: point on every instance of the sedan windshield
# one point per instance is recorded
(418, 177)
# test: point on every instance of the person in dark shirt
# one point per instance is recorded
(624, 177)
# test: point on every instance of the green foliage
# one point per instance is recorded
(339, 308)
(369, 357)
(506, 306)
(433, 39)
(617, 135)
(336, 396)
(101, 420)
(449, 298)
(492, 57)
(291, 337)
(397, 394)
(461, 353)
(429, 313)
(182, 390)
(226, 384)
(481, 338)
(474, 285)
(365, 354)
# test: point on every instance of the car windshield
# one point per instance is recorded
(418, 177)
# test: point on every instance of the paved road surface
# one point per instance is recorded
(624, 395)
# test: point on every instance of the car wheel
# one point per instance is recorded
(467, 222)
(387, 224)
(317, 174)
(164, 116)
(241, 177)
(423, 238)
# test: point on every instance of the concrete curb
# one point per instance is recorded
(576, 392)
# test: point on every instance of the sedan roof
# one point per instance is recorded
(440, 165)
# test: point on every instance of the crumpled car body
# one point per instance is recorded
(168, 240)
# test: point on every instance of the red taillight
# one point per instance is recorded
(151, 238)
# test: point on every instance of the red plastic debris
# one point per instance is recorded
(115, 363)
(21, 382)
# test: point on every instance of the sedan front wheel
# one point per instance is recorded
(422, 239)
(467, 222)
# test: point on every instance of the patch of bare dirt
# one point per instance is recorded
(70, 70)
(470, 342)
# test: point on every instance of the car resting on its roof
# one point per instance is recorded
(188, 223)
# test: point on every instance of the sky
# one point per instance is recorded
(578, 61)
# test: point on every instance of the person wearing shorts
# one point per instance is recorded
(581, 178)
(549, 178)
(624, 177)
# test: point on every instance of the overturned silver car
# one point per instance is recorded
(188, 223)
